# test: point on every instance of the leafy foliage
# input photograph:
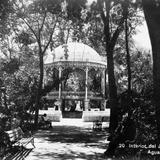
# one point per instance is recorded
(141, 68)
(11, 66)
(74, 9)
(141, 72)
(146, 122)
(19, 77)
(6, 8)
(24, 38)
(143, 114)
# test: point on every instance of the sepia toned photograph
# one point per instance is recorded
(79, 79)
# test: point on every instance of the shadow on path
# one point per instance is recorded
(17, 155)
(68, 143)
(71, 134)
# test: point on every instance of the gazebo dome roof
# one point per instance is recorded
(76, 52)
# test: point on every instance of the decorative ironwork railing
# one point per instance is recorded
(72, 94)
(79, 64)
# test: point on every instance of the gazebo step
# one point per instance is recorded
(68, 114)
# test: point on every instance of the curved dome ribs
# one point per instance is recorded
(76, 52)
(83, 52)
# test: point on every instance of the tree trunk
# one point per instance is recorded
(112, 92)
(152, 14)
(128, 60)
(110, 40)
(39, 90)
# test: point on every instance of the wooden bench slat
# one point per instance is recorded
(16, 136)
(24, 140)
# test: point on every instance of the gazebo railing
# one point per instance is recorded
(73, 94)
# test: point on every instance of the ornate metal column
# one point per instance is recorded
(86, 100)
(103, 82)
(60, 74)
(45, 77)
(60, 89)
(103, 102)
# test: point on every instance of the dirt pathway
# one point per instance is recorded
(69, 140)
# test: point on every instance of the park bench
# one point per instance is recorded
(18, 138)
(43, 124)
(97, 125)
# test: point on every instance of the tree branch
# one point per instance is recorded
(40, 29)
(116, 33)
(100, 5)
(31, 29)
(106, 23)
(50, 38)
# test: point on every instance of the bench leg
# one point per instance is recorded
(21, 151)
(33, 143)
(100, 127)
(97, 127)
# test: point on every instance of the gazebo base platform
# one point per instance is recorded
(91, 116)
(87, 116)
(52, 115)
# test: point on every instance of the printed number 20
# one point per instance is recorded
(122, 145)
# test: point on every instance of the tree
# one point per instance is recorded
(39, 19)
(152, 14)
(113, 19)
(42, 23)
(127, 49)
(132, 19)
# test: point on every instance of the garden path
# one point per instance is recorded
(70, 139)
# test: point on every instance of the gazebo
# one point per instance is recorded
(82, 73)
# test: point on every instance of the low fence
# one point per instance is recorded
(53, 115)
(91, 116)
(87, 116)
